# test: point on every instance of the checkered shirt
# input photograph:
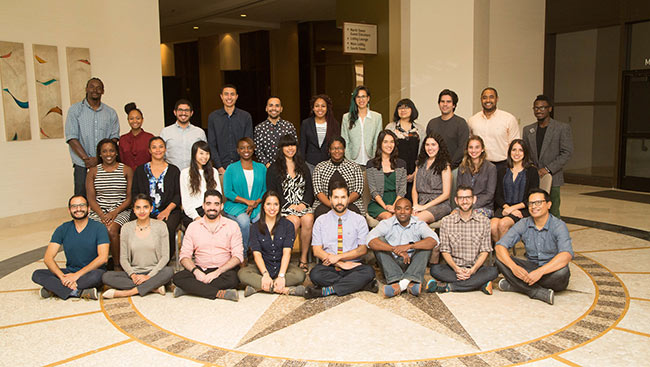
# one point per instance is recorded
(465, 240)
(351, 173)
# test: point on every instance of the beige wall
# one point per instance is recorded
(124, 41)
(468, 45)
(285, 82)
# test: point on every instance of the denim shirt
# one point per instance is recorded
(272, 248)
(541, 245)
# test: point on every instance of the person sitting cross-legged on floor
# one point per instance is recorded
(272, 240)
(465, 245)
(548, 252)
(216, 245)
(144, 253)
(339, 240)
(85, 244)
(402, 245)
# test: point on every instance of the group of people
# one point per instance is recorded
(478, 179)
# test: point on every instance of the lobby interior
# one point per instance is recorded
(149, 52)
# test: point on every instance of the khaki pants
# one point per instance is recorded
(250, 275)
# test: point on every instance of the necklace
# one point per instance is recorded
(142, 228)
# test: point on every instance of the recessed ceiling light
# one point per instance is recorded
(322, 49)
(195, 27)
(243, 15)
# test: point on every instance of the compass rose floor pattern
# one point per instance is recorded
(601, 319)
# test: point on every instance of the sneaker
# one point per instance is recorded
(313, 292)
(161, 290)
(546, 295)
(487, 288)
(371, 287)
(297, 291)
(178, 291)
(249, 291)
(229, 294)
(45, 293)
(90, 293)
(435, 287)
(414, 288)
(109, 294)
(505, 286)
(391, 290)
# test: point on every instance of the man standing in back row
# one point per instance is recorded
(450, 126)
(225, 127)
(87, 123)
(268, 133)
(497, 127)
(551, 146)
(180, 136)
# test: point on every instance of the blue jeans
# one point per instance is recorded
(395, 269)
(244, 221)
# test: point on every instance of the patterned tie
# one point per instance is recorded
(340, 238)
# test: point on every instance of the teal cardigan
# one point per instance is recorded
(234, 184)
(373, 125)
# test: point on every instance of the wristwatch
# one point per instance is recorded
(281, 275)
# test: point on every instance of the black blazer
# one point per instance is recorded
(532, 182)
(171, 182)
(308, 148)
(274, 182)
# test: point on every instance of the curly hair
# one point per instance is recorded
(208, 171)
(441, 160)
(467, 165)
(99, 149)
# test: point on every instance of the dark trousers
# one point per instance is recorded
(49, 281)
(557, 280)
(343, 281)
(445, 273)
(79, 174)
(500, 164)
(188, 283)
(322, 209)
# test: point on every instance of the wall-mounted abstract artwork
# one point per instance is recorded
(15, 101)
(78, 72)
(48, 91)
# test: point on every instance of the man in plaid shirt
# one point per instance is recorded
(465, 245)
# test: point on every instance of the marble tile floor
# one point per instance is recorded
(601, 320)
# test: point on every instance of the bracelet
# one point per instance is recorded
(196, 267)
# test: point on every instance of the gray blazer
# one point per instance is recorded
(375, 177)
(556, 149)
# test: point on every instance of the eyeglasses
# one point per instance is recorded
(461, 198)
(183, 110)
(536, 203)
(75, 206)
(540, 108)
(337, 148)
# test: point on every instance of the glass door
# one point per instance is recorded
(635, 140)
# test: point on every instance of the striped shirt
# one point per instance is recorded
(89, 127)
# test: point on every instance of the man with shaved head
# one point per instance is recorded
(402, 245)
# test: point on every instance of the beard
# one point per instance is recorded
(342, 208)
(212, 214)
(75, 216)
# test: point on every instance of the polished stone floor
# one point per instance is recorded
(602, 319)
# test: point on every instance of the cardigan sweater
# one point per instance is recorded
(234, 184)
(375, 177)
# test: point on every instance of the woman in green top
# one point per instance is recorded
(386, 177)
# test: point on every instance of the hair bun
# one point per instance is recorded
(129, 107)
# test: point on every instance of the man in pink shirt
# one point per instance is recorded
(497, 127)
(216, 244)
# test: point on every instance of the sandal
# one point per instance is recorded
(303, 266)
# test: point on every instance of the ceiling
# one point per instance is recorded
(178, 18)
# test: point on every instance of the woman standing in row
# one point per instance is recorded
(409, 136)
(108, 186)
(134, 145)
(360, 127)
(161, 182)
(317, 130)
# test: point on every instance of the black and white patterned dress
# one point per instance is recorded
(110, 192)
(293, 190)
(351, 173)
